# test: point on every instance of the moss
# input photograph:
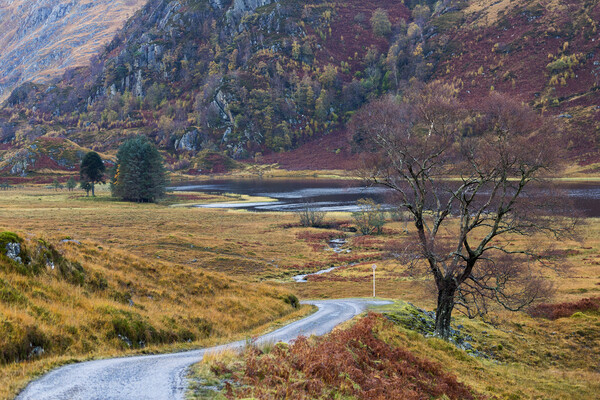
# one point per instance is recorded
(10, 237)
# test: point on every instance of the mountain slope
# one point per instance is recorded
(249, 77)
(545, 52)
(243, 77)
(39, 40)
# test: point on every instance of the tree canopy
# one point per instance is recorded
(139, 171)
(463, 174)
(92, 169)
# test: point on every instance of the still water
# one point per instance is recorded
(337, 195)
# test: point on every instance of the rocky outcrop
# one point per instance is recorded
(190, 141)
(241, 7)
(13, 251)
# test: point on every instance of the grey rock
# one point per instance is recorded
(36, 351)
(12, 251)
(217, 4)
(242, 7)
(189, 141)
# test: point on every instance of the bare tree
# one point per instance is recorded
(462, 175)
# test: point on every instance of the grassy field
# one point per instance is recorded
(114, 278)
(175, 273)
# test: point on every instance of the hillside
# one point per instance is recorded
(545, 52)
(261, 78)
(64, 299)
(39, 40)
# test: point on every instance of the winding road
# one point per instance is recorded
(163, 376)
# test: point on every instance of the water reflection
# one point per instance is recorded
(337, 195)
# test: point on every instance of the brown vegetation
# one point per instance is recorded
(562, 310)
(353, 362)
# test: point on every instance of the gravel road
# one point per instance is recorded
(162, 376)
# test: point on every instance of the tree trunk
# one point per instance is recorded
(445, 306)
(93, 194)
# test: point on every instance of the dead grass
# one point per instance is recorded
(233, 242)
(161, 257)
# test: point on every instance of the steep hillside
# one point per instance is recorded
(545, 52)
(244, 77)
(261, 77)
(39, 40)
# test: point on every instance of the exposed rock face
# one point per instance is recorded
(188, 142)
(241, 7)
(40, 39)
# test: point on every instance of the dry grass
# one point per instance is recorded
(129, 301)
(151, 251)
(233, 242)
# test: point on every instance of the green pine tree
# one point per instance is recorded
(139, 172)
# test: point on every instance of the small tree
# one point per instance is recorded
(71, 184)
(92, 170)
(310, 215)
(496, 151)
(380, 23)
(370, 217)
(139, 171)
(56, 184)
(85, 185)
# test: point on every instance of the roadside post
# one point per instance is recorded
(374, 268)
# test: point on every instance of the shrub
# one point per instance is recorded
(18, 341)
(291, 300)
(380, 23)
(562, 310)
(370, 218)
(353, 363)
(310, 215)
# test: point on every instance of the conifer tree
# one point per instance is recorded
(139, 172)
(92, 170)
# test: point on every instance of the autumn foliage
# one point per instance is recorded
(353, 362)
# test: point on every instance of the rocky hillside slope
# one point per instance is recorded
(40, 39)
(249, 77)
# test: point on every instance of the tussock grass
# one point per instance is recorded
(124, 303)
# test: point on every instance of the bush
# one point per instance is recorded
(19, 341)
(291, 300)
(139, 172)
(370, 218)
(380, 23)
(354, 363)
(310, 215)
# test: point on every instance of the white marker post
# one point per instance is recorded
(374, 268)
